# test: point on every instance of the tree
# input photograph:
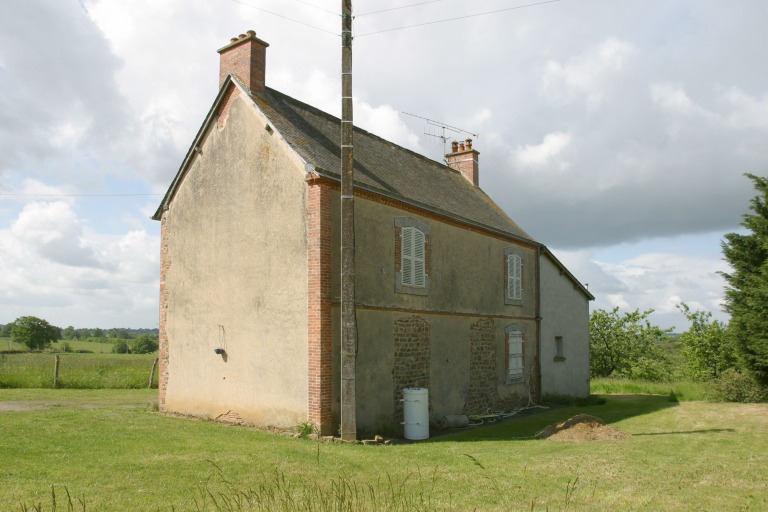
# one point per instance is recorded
(5, 331)
(626, 345)
(746, 293)
(144, 344)
(68, 333)
(34, 332)
(707, 348)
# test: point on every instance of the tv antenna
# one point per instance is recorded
(440, 130)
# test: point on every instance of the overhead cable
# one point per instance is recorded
(286, 17)
(458, 18)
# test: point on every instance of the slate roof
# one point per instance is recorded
(382, 166)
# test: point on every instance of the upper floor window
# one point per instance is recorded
(412, 256)
(514, 274)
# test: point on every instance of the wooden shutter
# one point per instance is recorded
(514, 277)
(419, 274)
(406, 255)
(515, 363)
(412, 257)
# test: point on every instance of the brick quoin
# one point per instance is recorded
(319, 305)
(163, 360)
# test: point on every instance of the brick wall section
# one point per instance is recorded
(165, 263)
(226, 105)
(411, 361)
(320, 327)
(482, 367)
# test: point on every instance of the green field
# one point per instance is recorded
(110, 450)
(74, 345)
(76, 371)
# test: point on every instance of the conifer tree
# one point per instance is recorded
(746, 296)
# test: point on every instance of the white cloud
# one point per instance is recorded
(748, 112)
(673, 99)
(538, 155)
(587, 75)
(54, 267)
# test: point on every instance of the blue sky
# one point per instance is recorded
(616, 133)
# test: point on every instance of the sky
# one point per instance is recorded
(617, 133)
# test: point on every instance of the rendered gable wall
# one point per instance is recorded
(564, 313)
(235, 277)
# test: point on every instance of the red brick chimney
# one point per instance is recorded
(244, 57)
(464, 159)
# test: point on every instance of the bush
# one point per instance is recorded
(144, 344)
(120, 347)
(733, 386)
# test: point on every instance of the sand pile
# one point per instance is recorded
(582, 427)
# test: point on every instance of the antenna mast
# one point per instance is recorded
(442, 127)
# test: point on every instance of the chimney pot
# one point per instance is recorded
(233, 40)
(241, 36)
(454, 146)
(469, 143)
(461, 146)
(251, 33)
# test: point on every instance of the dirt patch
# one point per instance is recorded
(582, 427)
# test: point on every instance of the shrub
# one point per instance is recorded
(144, 344)
(733, 386)
(120, 347)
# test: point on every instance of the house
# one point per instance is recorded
(451, 294)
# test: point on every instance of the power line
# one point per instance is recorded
(286, 17)
(317, 7)
(78, 195)
(458, 18)
(396, 8)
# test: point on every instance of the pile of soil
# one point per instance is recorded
(582, 427)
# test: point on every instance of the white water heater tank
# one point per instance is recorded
(416, 413)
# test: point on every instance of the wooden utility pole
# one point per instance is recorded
(348, 320)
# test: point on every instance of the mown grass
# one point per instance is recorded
(681, 456)
(682, 390)
(76, 371)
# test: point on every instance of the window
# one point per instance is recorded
(559, 354)
(515, 349)
(411, 256)
(513, 270)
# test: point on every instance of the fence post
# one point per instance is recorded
(152, 375)
(56, 373)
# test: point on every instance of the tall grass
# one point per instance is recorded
(76, 371)
(682, 390)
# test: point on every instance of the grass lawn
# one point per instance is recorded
(108, 448)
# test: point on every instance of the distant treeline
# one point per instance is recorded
(94, 334)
